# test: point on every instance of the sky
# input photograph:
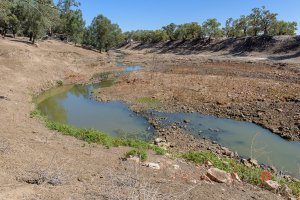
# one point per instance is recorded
(153, 14)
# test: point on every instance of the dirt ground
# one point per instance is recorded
(36, 163)
(264, 92)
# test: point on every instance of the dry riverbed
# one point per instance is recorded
(37, 163)
(262, 92)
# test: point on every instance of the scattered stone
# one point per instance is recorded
(208, 163)
(176, 167)
(218, 175)
(273, 169)
(205, 178)
(245, 162)
(271, 185)
(279, 110)
(285, 191)
(193, 181)
(159, 140)
(152, 165)
(235, 177)
(134, 158)
(253, 162)
(186, 121)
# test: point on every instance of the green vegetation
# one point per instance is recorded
(259, 22)
(38, 18)
(151, 102)
(102, 34)
(248, 174)
(141, 153)
(59, 83)
(96, 136)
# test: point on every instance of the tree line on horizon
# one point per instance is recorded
(259, 22)
(36, 19)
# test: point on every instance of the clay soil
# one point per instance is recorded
(36, 163)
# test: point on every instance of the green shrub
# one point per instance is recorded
(59, 83)
(141, 153)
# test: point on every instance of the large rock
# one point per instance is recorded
(218, 175)
(271, 185)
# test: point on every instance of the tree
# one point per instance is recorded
(229, 29)
(268, 20)
(255, 21)
(242, 25)
(74, 26)
(65, 6)
(188, 31)
(104, 34)
(211, 28)
(170, 30)
(37, 17)
(284, 28)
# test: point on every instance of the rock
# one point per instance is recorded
(153, 165)
(208, 163)
(279, 110)
(176, 167)
(134, 159)
(245, 162)
(205, 178)
(218, 175)
(83, 178)
(193, 181)
(159, 140)
(253, 162)
(186, 121)
(285, 191)
(235, 177)
(271, 185)
(273, 169)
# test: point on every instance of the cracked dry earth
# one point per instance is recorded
(36, 163)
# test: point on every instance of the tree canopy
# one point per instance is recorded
(38, 18)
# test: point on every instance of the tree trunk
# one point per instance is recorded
(30, 36)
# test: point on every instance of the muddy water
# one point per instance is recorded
(248, 139)
(72, 105)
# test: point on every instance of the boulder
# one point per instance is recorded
(218, 175)
(271, 185)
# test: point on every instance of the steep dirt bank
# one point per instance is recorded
(36, 163)
(275, 49)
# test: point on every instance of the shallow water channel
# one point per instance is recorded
(72, 104)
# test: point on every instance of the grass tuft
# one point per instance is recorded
(141, 153)
(150, 102)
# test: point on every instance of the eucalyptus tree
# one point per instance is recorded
(104, 34)
(170, 30)
(211, 28)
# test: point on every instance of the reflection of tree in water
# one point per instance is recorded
(51, 105)
(53, 110)
(79, 90)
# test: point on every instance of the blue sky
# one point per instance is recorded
(153, 14)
